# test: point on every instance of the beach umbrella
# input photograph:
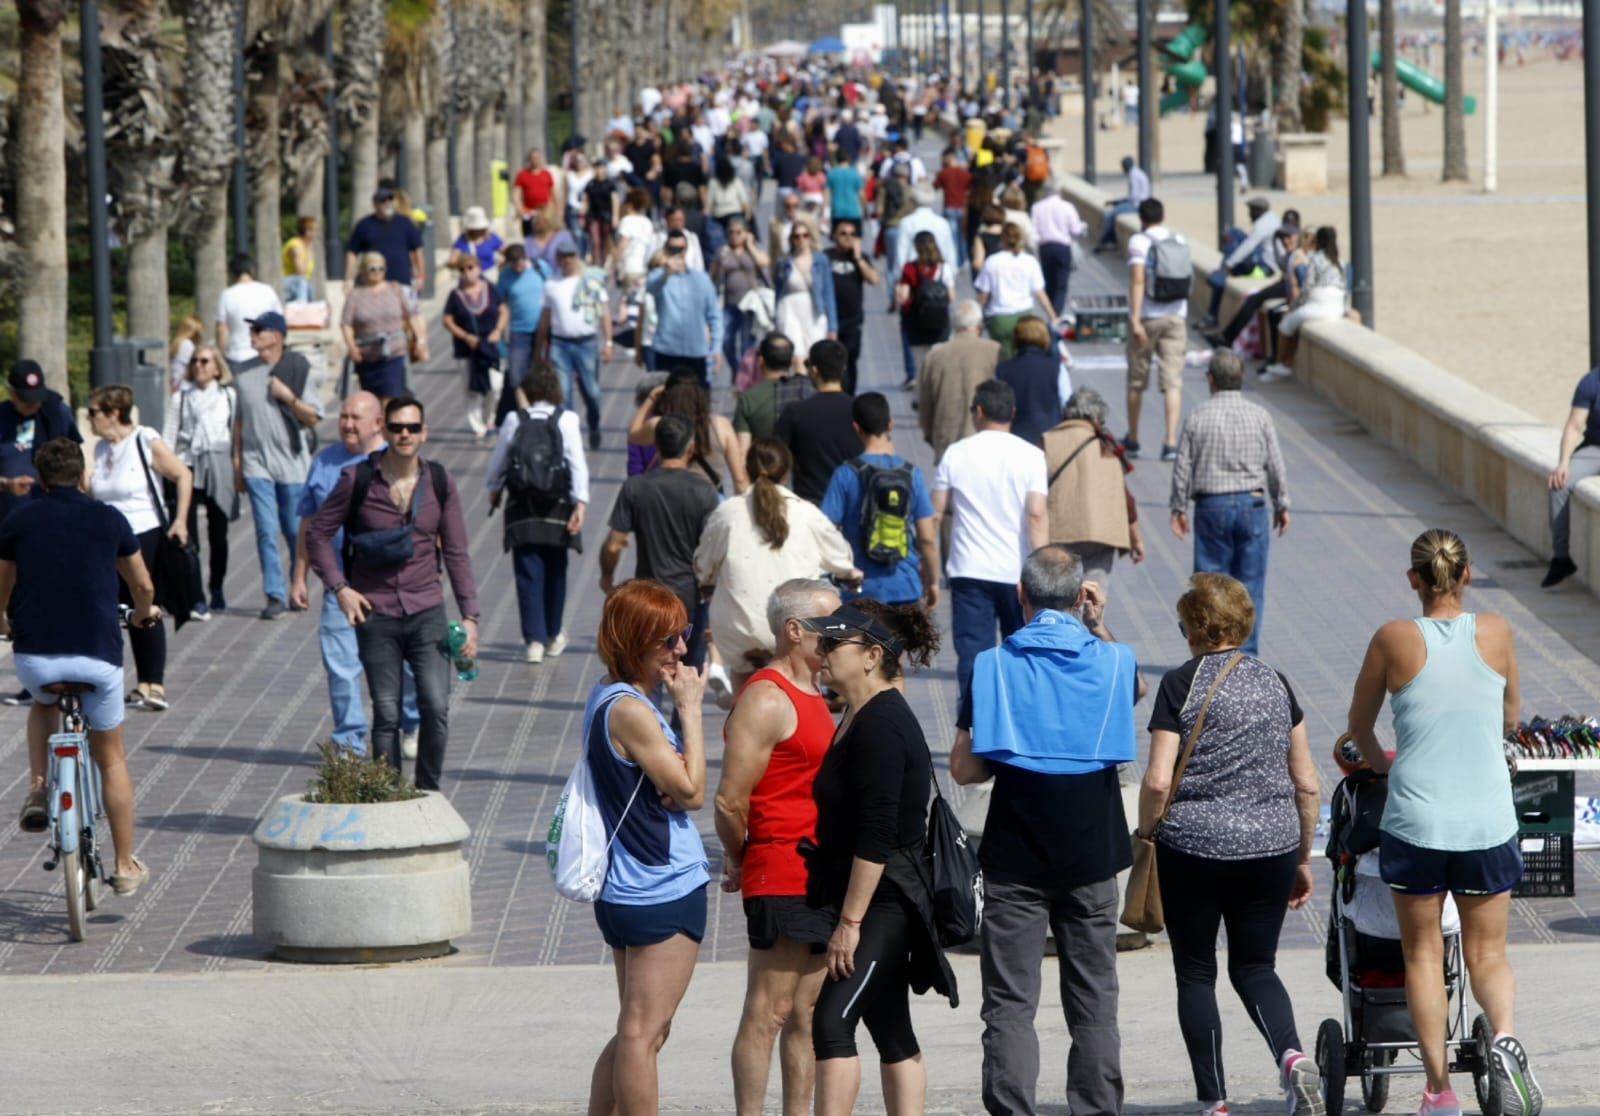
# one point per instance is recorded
(829, 45)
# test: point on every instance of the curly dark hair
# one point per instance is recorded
(912, 626)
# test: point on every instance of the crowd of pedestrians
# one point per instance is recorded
(789, 557)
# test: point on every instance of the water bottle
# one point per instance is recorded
(455, 639)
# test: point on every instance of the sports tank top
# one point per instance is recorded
(1448, 788)
(782, 810)
(657, 855)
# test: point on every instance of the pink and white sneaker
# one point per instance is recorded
(1439, 1104)
(1302, 1086)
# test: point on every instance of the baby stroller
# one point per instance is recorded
(1366, 964)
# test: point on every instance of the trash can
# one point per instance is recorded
(430, 258)
(148, 380)
(1263, 159)
(976, 131)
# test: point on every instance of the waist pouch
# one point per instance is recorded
(384, 548)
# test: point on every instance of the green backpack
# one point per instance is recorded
(885, 511)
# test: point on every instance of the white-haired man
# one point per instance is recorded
(775, 740)
(950, 377)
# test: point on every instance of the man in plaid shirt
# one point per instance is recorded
(1230, 466)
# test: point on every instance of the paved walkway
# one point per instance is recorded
(250, 700)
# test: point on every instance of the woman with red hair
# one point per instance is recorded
(652, 907)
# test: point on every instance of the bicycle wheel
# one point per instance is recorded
(73, 874)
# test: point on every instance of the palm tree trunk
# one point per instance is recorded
(483, 152)
(439, 179)
(534, 102)
(42, 190)
(1394, 156)
(467, 155)
(1455, 124)
(206, 154)
(266, 155)
(360, 78)
(414, 138)
(149, 307)
(211, 257)
(1287, 62)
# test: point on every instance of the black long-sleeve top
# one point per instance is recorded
(871, 793)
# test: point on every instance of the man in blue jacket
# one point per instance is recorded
(1049, 716)
(688, 313)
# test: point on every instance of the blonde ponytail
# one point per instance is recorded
(1439, 558)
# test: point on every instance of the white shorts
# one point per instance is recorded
(1322, 304)
(103, 709)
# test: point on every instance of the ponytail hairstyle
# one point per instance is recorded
(768, 462)
(911, 625)
(1439, 559)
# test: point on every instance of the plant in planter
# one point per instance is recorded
(363, 867)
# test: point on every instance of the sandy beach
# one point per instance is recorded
(1490, 287)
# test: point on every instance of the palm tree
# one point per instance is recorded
(531, 47)
(141, 155)
(1288, 51)
(360, 86)
(1394, 156)
(407, 88)
(1455, 125)
(436, 67)
(42, 190)
(206, 156)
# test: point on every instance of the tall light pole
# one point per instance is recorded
(1086, 35)
(240, 198)
(1028, 64)
(1591, 150)
(1491, 97)
(1005, 53)
(576, 36)
(961, 30)
(101, 357)
(1361, 163)
(333, 249)
(1222, 106)
(1146, 113)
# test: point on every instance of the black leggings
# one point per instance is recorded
(216, 539)
(149, 644)
(1250, 897)
(878, 992)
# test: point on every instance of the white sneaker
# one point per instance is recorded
(557, 645)
(534, 653)
(1272, 373)
(408, 744)
(717, 678)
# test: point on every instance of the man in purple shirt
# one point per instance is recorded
(392, 593)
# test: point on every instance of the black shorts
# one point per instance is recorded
(623, 925)
(770, 917)
(1413, 870)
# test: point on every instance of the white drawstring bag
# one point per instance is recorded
(577, 847)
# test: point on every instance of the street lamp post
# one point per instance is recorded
(1146, 116)
(1028, 63)
(1222, 107)
(1005, 53)
(1361, 164)
(241, 182)
(1591, 148)
(333, 250)
(1086, 44)
(101, 359)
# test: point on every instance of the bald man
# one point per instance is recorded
(360, 435)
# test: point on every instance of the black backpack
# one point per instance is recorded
(536, 467)
(929, 311)
(956, 877)
(886, 525)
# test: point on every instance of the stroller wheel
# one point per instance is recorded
(1331, 1061)
(1483, 1081)
(1375, 1086)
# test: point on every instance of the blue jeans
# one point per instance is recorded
(1056, 260)
(955, 217)
(343, 664)
(541, 576)
(271, 501)
(1219, 278)
(976, 608)
(1231, 536)
(580, 361)
(580, 235)
(906, 354)
(737, 336)
(1108, 231)
(297, 288)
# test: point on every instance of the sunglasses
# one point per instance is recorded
(800, 234)
(204, 360)
(106, 411)
(829, 644)
(376, 270)
(404, 427)
(669, 642)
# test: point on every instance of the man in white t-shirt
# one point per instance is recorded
(247, 298)
(1157, 331)
(993, 486)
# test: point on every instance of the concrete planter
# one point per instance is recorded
(361, 883)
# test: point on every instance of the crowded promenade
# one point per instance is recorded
(248, 707)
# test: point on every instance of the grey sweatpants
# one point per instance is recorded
(1084, 922)
(1585, 464)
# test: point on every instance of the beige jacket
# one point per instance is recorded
(950, 375)
(1088, 502)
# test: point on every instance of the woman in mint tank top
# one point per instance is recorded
(652, 906)
(1449, 826)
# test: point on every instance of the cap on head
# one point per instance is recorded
(475, 219)
(27, 382)
(383, 194)
(271, 321)
(1257, 206)
(847, 620)
(1127, 162)
(566, 248)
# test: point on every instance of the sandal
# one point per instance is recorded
(155, 699)
(35, 817)
(127, 885)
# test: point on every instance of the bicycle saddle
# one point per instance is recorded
(68, 687)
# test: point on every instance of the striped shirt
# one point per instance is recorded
(1228, 445)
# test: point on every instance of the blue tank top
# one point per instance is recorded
(657, 855)
(1448, 788)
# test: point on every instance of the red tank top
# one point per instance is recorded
(782, 810)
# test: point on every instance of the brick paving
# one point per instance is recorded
(250, 700)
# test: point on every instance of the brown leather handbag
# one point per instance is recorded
(1142, 908)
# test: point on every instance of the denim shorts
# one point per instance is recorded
(1412, 870)
(103, 709)
(625, 926)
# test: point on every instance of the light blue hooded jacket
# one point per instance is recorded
(1054, 699)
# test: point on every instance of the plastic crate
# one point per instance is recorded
(1544, 801)
(1100, 319)
(1547, 869)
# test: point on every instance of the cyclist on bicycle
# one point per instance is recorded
(60, 557)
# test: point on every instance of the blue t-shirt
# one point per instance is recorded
(485, 250)
(657, 855)
(844, 191)
(394, 239)
(524, 293)
(20, 435)
(1587, 396)
(65, 546)
(842, 504)
(326, 469)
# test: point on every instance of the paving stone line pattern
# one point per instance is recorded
(250, 700)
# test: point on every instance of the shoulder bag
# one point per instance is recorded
(1142, 909)
(177, 566)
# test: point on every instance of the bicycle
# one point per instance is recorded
(73, 798)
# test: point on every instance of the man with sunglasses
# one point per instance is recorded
(688, 314)
(851, 272)
(279, 402)
(406, 527)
